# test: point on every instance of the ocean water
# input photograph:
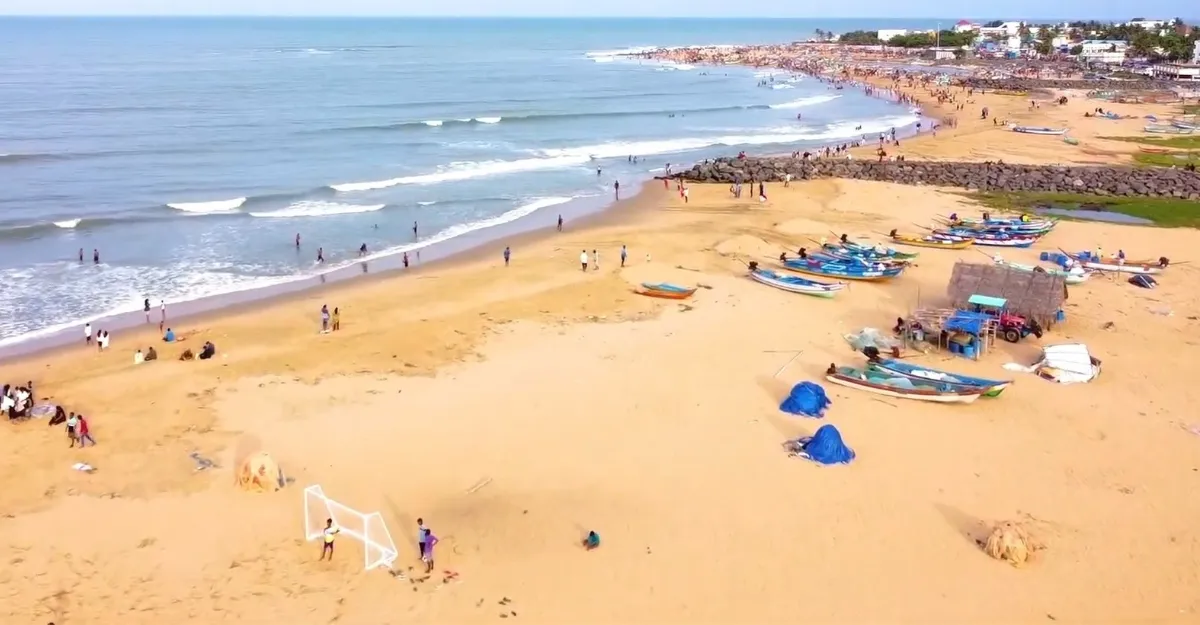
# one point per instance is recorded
(191, 152)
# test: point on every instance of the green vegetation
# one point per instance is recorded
(1175, 42)
(1191, 109)
(1183, 143)
(946, 38)
(1166, 213)
(1173, 159)
(860, 38)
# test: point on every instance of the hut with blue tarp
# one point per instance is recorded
(969, 333)
(806, 399)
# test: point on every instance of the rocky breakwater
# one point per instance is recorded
(1031, 84)
(1123, 181)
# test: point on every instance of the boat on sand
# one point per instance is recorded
(902, 387)
(992, 388)
(929, 241)
(665, 290)
(796, 284)
(1039, 130)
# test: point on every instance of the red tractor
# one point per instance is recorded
(1013, 327)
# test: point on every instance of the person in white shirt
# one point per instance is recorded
(583, 259)
(104, 340)
(595, 260)
(87, 333)
(139, 358)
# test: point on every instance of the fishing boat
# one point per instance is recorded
(1152, 150)
(1113, 263)
(1038, 130)
(902, 387)
(987, 240)
(856, 261)
(845, 271)
(929, 241)
(871, 251)
(666, 290)
(1188, 126)
(796, 284)
(1167, 129)
(1071, 276)
(1033, 226)
(992, 388)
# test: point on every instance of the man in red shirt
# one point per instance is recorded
(84, 433)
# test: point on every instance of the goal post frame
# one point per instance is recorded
(378, 547)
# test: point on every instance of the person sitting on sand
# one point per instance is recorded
(60, 416)
(169, 337)
(592, 541)
(802, 253)
(187, 355)
(208, 351)
(151, 354)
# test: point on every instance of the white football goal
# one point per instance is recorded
(367, 528)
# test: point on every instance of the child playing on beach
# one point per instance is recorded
(337, 319)
(324, 319)
(329, 534)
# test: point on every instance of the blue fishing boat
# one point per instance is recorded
(987, 239)
(666, 286)
(851, 248)
(926, 374)
(845, 271)
(796, 284)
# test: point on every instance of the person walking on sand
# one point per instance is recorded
(624, 253)
(87, 334)
(146, 309)
(617, 189)
(422, 538)
(328, 535)
(337, 319)
(560, 223)
(685, 193)
(84, 433)
(507, 254)
(431, 541)
(595, 260)
(72, 428)
(162, 311)
(324, 319)
(583, 259)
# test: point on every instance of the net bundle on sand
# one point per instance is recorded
(1011, 543)
(260, 473)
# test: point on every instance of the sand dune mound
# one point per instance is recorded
(806, 227)
(260, 473)
(1011, 542)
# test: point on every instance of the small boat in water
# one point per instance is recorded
(1038, 130)
(992, 388)
(665, 290)
(902, 387)
(795, 284)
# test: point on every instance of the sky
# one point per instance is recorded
(1095, 9)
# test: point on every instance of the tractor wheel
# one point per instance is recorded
(1012, 335)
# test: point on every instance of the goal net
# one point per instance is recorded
(366, 527)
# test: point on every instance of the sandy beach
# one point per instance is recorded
(516, 408)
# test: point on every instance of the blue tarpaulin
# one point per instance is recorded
(807, 399)
(826, 447)
(966, 321)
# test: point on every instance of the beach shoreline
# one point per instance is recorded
(516, 407)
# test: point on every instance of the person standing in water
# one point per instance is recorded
(320, 254)
(415, 230)
(406, 260)
(617, 189)
(297, 240)
(560, 223)
(81, 254)
(95, 257)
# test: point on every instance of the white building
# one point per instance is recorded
(1013, 44)
(885, 35)
(1196, 53)
(1154, 25)
(1060, 41)
(1103, 51)
(1011, 29)
(963, 26)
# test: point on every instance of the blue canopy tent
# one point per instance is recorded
(968, 332)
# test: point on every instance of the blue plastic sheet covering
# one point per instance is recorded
(966, 321)
(827, 447)
(807, 399)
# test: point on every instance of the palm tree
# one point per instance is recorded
(820, 34)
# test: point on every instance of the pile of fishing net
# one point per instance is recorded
(260, 473)
(1011, 542)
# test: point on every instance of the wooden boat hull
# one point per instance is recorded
(797, 285)
(1131, 267)
(936, 243)
(1151, 150)
(849, 377)
(1071, 278)
(869, 251)
(992, 388)
(1016, 243)
(1167, 130)
(1039, 131)
(665, 294)
(827, 272)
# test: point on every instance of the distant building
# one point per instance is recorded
(1177, 71)
(1154, 25)
(964, 26)
(1103, 50)
(887, 33)
(1060, 41)
(1196, 52)
(1011, 28)
(1014, 43)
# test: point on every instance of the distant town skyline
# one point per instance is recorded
(882, 9)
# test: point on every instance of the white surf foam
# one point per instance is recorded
(488, 120)
(572, 157)
(782, 86)
(69, 223)
(426, 203)
(319, 209)
(803, 102)
(434, 123)
(217, 206)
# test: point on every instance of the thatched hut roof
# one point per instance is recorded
(1035, 294)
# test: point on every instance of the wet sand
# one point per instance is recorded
(579, 405)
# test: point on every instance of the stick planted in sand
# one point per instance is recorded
(785, 365)
(479, 485)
